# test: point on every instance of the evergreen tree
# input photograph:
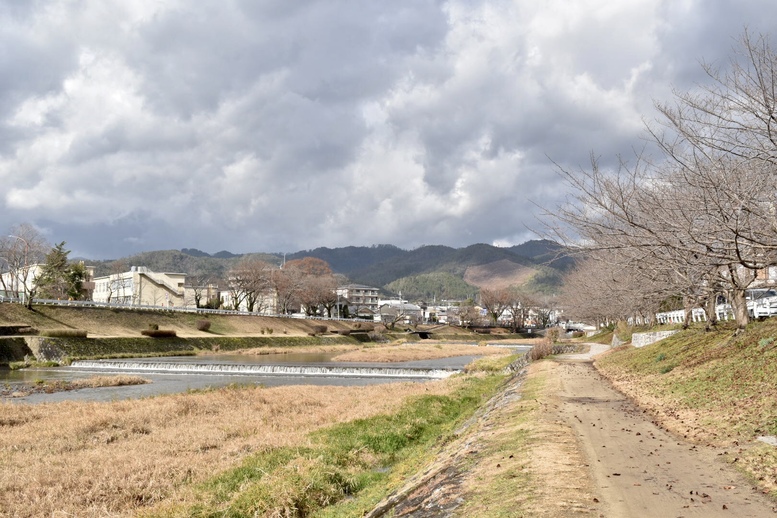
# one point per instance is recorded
(59, 278)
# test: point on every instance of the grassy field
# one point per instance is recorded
(236, 451)
(713, 388)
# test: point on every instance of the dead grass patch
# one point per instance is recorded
(118, 458)
(261, 351)
(416, 351)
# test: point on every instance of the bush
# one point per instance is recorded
(318, 330)
(377, 336)
(203, 325)
(552, 334)
(159, 333)
(153, 327)
(63, 333)
(541, 350)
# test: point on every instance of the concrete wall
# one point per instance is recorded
(643, 339)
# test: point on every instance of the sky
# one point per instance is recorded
(279, 126)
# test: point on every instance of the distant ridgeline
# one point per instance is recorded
(425, 273)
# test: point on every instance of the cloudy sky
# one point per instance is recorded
(277, 125)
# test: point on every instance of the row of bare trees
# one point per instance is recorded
(256, 285)
(697, 222)
(514, 303)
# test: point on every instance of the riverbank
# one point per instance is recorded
(61, 334)
(200, 452)
(49, 387)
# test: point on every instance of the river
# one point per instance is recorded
(180, 374)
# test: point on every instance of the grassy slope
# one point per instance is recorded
(343, 470)
(128, 322)
(710, 387)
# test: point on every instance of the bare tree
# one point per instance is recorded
(702, 221)
(518, 305)
(249, 282)
(203, 287)
(307, 282)
(495, 301)
(22, 250)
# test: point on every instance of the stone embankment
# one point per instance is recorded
(643, 339)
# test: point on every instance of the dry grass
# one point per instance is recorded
(261, 351)
(541, 350)
(118, 458)
(525, 460)
(412, 352)
(51, 386)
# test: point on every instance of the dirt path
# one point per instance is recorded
(639, 469)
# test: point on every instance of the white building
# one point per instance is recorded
(141, 287)
(361, 300)
(15, 284)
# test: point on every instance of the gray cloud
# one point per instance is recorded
(279, 126)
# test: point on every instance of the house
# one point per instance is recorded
(362, 301)
(399, 311)
(141, 287)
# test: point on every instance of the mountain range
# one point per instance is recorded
(425, 273)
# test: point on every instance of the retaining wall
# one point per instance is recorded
(643, 339)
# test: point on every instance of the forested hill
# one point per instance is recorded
(423, 273)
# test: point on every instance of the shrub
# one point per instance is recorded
(552, 334)
(541, 350)
(153, 327)
(318, 329)
(203, 325)
(269, 330)
(377, 336)
(63, 333)
(159, 333)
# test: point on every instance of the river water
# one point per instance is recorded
(181, 374)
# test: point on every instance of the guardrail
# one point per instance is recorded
(763, 307)
(172, 309)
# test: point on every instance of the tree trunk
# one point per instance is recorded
(711, 307)
(739, 305)
(687, 312)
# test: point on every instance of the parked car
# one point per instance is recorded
(761, 302)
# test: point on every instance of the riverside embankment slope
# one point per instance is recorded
(561, 441)
(118, 331)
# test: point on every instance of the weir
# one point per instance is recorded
(263, 370)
